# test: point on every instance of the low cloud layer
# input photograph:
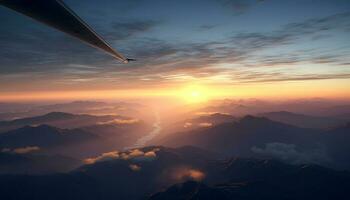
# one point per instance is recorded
(134, 167)
(121, 121)
(289, 153)
(104, 157)
(184, 173)
(136, 155)
(22, 150)
(205, 124)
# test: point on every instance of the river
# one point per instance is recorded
(154, 132)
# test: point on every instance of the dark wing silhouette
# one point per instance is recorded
(56, 14)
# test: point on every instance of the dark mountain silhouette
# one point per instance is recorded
(191, 190)
(337, 141)
(15, 163)
(304, 121)
(123, 177)
(43, 136)
(264, 179)
(134, 175)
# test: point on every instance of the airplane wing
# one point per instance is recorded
(56, 14)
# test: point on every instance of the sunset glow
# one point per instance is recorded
(194, 93)
(184, 99)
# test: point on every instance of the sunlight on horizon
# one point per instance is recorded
(195, 94)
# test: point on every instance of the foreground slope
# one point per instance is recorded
(139, 173)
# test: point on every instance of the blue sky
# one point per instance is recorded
(228, 42)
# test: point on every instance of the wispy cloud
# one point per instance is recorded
(22, 150)
(289, 153)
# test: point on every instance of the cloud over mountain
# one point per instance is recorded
(289, 153)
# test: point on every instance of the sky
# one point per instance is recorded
(219, 48)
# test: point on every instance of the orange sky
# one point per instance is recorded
(197, 91)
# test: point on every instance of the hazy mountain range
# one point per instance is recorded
(28, 163)
(61, 120)
(262, 137)
(305, 121)
(203, 155)
(11, 111)
(71, 134)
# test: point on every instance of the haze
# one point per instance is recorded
(227, 99)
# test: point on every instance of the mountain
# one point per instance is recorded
(77, 143)
(9, 111)
(250, 179)
(43, 136)
(215, 118)
(238, 138)
(19, 163)
(304, 121)
(119, 136)
(52, 131)
(190, 190)
(59, 119)
(139, 173)
(197, 122)
(131, 174)
(336, 110)
(337, 141)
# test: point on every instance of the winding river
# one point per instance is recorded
(154, 132)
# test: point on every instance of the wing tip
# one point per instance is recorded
(127, 60)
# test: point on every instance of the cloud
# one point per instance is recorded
(290, 154)
(121, 121)
(126, 30)
(150, 154)
(31, 48)
(183, 173)
(187, 124)
(205, 124)
(21, 150)
(244, 49)
(281, 78)
(134, 167)
(25, 150)
(203, 113)
(135, 155)
(104, 157)
(239, 57)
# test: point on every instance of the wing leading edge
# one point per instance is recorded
(56, 14)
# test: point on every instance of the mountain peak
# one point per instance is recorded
(254, 119)
(41, 127)
(58, 115)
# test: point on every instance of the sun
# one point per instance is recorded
(194, 94)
